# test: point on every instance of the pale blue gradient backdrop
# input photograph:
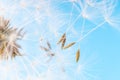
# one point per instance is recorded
(100, 50)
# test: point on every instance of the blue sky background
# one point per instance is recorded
(93, 24)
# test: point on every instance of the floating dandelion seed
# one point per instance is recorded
(77, 55)
(8, 38)
(48, 50)
(63, 43)
(69, 45)
(62, 38)
(44, 48)
(49, 45)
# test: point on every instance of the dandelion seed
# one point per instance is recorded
(48, 44)
(77, 55)
(63, 43)
(69, 45)
(62, 38)
(15, 53)
(51, 54)
(44, 48)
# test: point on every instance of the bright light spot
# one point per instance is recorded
(107, 19)
(85, 15)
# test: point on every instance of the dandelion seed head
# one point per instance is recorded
(8, 37)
